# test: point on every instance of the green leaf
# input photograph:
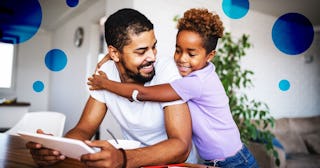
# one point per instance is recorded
(235, 79)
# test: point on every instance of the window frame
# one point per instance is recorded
(10, 90)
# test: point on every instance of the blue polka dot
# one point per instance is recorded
(292, 33)
(284, 85)
(235, 9)
(56, 60)
(72, 3)
(19, 20)
(38, 86)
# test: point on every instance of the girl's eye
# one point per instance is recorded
(191, 55)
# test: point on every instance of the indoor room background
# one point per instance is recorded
(284, 56)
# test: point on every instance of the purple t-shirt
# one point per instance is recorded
(215, 133)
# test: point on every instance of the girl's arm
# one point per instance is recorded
(160, 93)
(103, 60)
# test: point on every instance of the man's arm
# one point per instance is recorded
(90, 120)
(173, 150)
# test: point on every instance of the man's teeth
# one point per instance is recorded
(149, 66)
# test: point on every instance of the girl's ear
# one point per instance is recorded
(114, 53)
(211, 55)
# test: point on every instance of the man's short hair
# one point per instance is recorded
(122, 23)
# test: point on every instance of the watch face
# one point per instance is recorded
(78, 37)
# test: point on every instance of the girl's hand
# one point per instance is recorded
(97, 81)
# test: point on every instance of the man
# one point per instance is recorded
(164, 129)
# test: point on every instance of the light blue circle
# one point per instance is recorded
(56, 60)
(19, 20)
(38, 86)
(235, 9)
(72, 3)
(284, 85)
(292, 33)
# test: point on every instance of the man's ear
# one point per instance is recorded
(114, 53)
(211, 55)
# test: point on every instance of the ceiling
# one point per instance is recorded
(56, 12)
(276, 8)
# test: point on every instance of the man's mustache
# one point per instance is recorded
(146, 64)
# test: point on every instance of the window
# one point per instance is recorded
(6, 66)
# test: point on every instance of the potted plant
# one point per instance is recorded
(250, 115)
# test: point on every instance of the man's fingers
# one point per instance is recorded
(45, 152)
(99, 144)
(48, 158)
(32, 145)
(40, 131)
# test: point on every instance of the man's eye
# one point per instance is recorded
(141, 52)
(191, 55)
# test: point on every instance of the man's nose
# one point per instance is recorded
(151, 56)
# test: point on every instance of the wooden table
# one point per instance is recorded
(14, 154)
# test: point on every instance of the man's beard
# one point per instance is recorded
(137, 76)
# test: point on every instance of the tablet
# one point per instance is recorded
(72, 148)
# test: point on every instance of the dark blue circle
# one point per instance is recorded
(38, 86)
(235, 9)
(19, 20)
(72, 3)
(56, 60)
(284, 85)
(292, 33)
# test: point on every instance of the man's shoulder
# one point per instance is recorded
(107, 65)
(110, 69)
(166, 70)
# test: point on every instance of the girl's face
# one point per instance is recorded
(190, 55)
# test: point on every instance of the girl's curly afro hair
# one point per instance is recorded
(207, 24)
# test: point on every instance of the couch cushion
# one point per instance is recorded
(292, 142)
(312, 142)
(303, 161)
(305, 125)
(281, 126)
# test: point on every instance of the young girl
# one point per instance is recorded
(215, 133)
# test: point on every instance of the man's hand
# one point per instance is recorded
(96, 82)
(43, 156)
(107, 157)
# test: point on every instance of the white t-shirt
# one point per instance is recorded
(141, 121)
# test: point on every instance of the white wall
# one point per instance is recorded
(68, 91)
(270, 66)
(30, 68)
